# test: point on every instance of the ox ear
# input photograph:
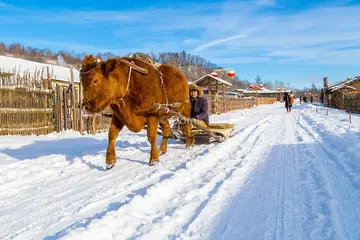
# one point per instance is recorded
(108, 66)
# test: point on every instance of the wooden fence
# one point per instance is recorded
(261, 101)
(31, 104)
(25, 104)
(96, 124)
(227, 104)
(25, 111)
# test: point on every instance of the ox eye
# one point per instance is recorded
(95, 81)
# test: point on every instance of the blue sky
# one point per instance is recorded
(298, 42)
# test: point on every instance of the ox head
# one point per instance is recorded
(98, 85)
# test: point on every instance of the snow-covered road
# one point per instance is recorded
(281, 176)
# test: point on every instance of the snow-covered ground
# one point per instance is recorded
(281, 176)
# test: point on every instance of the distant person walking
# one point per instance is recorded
(288, 101)
(322, 96)
(300, 99)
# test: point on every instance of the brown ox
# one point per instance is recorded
(130, 95)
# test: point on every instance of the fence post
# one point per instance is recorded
(73, 102)
(80, 112)
(66, 110)
(50, 103)
(58, 108)
(350, 117)
(93, 125)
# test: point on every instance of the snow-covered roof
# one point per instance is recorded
(7, 64)
(263, 90)
(337, 86)
(207, 79)
(239, 90)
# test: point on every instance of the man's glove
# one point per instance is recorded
(194, 120)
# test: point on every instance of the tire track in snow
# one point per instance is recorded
(275, 201)
(136, 217)
(83, 197)
(84, 194)
(322, 223)
(238, 162)
(344, 203)
(189, 156)
(337, 149)
(314, 198)
(236, 177)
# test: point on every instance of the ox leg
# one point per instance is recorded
(190, 140)
(165, 127)
(115, 128)
(152, 124)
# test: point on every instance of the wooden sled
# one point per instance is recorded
(216, 132)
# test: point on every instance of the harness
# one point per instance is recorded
(133, 66)
(148, 60)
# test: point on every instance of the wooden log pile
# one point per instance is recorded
(352, 102)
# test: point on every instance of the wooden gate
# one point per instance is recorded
(67, 108)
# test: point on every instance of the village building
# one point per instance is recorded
(335, 94)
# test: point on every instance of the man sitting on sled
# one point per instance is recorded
(199, 106)
(199, 115)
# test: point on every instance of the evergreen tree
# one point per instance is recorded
(258, 79)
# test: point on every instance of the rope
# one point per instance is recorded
(164, 90)
(127, 87)
(132, 65)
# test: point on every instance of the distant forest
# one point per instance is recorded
(193, 66)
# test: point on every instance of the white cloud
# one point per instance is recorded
(301, 37)
(219, 41)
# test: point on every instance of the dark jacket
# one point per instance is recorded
(199, 109)
(287, 100)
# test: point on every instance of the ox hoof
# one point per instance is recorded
(154, 163)
(162, 153)
(110, 166)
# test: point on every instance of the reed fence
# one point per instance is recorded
(261, 101)
(25, 103)
(222, 104)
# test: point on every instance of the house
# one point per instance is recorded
(264, 93)
(336, 93)
(211, 85)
